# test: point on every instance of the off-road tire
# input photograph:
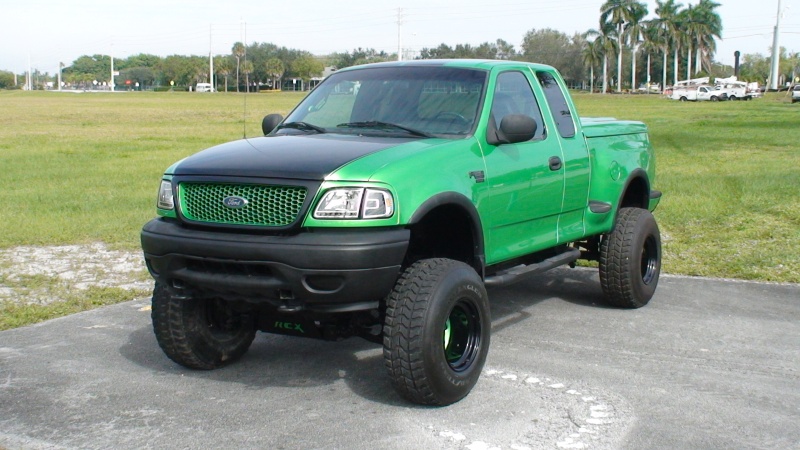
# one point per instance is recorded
(200, 333)
(630, 259)
(436, 331)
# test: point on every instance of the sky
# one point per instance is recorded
(46, 32)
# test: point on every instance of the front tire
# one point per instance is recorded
(200, 333)
(630, 259)
(436, 331)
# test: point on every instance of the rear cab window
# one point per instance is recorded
(557, 102)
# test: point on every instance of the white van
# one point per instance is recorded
(203, 87)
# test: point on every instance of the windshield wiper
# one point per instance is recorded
(378, 124)
(304, 126)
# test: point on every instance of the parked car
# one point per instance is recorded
(796, 93)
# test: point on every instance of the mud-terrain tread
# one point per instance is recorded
(182, 340)
(405, 367)
(618, 281)
(403, 344)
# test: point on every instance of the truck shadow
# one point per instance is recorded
(281, 362)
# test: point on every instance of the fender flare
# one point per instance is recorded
(636, 174)
(465, 204)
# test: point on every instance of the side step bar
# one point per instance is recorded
(521, 272)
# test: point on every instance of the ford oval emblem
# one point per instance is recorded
(234, 202)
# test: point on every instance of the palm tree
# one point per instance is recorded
(275, 69)
(690, 26)
(238, 51)
(710, 26)
(247, 68)
(668, 27)
(619, 13)
(652, 44)
(606, 42)
(674, 19)
(223, 66)
(634, 31)
(592, 55)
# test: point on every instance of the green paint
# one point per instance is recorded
(289, 326)
(525, 205)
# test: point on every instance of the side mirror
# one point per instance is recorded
(518, 128)
(269, 123)
(514, 128)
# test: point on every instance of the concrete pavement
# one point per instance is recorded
(707, 364)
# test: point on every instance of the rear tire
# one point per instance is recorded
(630, 259)
(200, 333)
(436, 332)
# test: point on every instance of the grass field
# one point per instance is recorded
(83, 168)
(730, 173)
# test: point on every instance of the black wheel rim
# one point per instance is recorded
(462, 336)
(649, 265)
(220, 320)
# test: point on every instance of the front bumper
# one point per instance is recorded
(321, 270)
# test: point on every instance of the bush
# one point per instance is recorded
(7, 80)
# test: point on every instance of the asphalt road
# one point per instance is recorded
(708, 364)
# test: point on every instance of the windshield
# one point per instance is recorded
(395, 101)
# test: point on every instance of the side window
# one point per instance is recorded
(558, 104)
(513, 95)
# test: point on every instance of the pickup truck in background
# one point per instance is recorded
(383, 206)
(733, 88)
(698, 93)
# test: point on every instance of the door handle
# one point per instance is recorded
(555, 163)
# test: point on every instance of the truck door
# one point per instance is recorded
(575, 158)
(524, 195)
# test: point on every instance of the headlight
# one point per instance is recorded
(165, 195)
(378, 204)
(355, 203)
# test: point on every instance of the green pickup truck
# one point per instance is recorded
(385, 204)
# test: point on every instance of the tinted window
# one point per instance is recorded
(435, 99)
(558, 104)
(513, 95)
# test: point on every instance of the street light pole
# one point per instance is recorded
(399, 34)
(211, 59)
(111, 55)
(776, 52)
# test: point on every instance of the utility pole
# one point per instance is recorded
(60, 66)
(399, 34)
(111, 55)
(776, 53)
(210, 60)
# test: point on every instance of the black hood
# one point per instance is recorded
(300, 157)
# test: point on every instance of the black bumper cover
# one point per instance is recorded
(321, 270)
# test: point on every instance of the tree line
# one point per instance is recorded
(254, 65)
(678, 43)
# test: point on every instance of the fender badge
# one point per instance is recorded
(234, 202)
